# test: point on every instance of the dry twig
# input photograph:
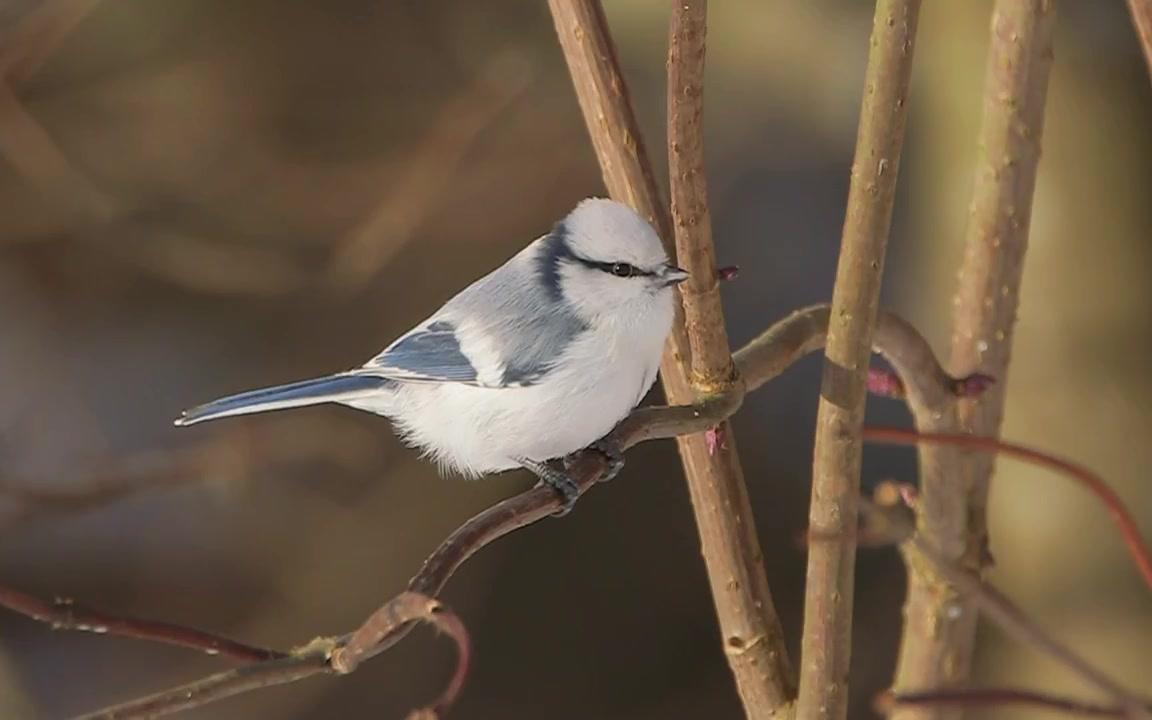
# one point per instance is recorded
(65, 614)
(826, 642)
(321, 656)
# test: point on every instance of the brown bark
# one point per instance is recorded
(940, 625)
(826, 642)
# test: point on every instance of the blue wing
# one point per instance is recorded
(430, 354)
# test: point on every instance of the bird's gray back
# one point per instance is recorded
(522, 313)
(517, 314)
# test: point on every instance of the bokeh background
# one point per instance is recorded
(202, 196)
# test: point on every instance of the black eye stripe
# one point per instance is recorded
(619, 269)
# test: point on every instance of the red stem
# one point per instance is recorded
(1137, 548)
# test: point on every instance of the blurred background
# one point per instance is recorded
(204, 196)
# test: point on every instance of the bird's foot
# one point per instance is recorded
(611, 451)
(560, 481)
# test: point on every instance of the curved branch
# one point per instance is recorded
(321, 656)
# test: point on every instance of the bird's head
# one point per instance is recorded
(604, 259)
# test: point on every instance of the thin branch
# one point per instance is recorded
(937, 642)
(1129, 530)
(435, 160)
(308, 663)
(321, 656)
(65, 614)
(826, 641)
(1000, 609)
(1141, 11)
(37, 36)
(972, 698)
(753, 636)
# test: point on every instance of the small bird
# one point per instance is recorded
(538, 359)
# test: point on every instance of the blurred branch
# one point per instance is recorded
(972, 698)
(35, 156)
(23, 140)
(38, 35)
(1141, 11)
(753, 636)
(362, 254)
(937, 642)
(826, 644)
(226, 459)
(760, 361)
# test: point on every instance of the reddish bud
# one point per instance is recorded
(885, 383)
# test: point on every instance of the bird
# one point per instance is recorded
(538, 359)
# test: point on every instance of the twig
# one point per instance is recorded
(753, 637)
(321, 656)
(409, 607)
(1141, 11)
(1121, 517)
(937, 643)
(308, 663)
(971, 698)
(826, 641)
(761, 360)
(65, 614)
(998, 608)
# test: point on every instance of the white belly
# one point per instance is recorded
(475, 430)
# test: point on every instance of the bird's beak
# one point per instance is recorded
(673, 275)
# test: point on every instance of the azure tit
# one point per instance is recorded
(538, 359)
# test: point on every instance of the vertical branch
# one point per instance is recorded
(940, 624)
(720, 500)
(1141, 11)
(826, 642)
(753, 637)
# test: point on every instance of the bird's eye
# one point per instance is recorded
(623, 270)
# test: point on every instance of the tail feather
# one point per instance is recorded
(333, 388)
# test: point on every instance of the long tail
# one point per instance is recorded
(333, 388)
